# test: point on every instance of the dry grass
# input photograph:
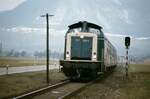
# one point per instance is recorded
(139, 68)
(23, 62)
(14, 84)
(115, 87)
(147, 61)
(138, 86)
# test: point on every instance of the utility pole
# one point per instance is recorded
(47, 45)
(127, 44)
(1, 48)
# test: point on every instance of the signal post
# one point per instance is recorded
(127, 44)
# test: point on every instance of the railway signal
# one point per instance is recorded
(127, 44)
(47, 46)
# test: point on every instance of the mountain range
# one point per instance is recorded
(23, 29)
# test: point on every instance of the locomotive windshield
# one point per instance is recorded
(81, 48)
(75, 30)
(93, 30)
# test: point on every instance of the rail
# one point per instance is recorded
(36, 92)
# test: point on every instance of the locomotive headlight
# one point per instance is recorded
(67, 54)
(81, 36)
(94, 55)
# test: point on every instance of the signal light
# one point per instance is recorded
(94, 55)
(67, 54)
(127, 42)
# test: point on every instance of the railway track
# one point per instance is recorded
(63, 90)
(40, 91)
(77, 90)
(66, 91)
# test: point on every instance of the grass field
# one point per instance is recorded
(24, 62)
(139, 68)
(14, 84)
(137, 86)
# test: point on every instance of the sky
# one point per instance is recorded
(22, 28)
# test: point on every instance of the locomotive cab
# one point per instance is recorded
(81, 41)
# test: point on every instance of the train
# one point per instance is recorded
(87, 51)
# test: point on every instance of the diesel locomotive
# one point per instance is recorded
(87, 51)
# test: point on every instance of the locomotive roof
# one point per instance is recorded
(81, 23)
(88, 24)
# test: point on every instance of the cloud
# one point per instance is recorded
(117, 2)
(122, 36)
(115, 35)
(142, 38)
(103, 20)
(22, 29)
(53, 20)
(9, 4)
(31, 30)
(59, 15)
(124, 16)
(61, 33)
(116, 13)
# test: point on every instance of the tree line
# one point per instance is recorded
(36, 54)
